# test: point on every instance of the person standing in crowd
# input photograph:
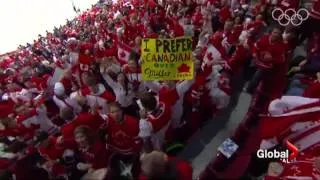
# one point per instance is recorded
(122, 139)
(110, 115)
(157, 165)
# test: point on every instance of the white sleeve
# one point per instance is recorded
(153, 85)
(110, 81)
(57, 102)
(184, 86)
(145, 128)
(77, 108)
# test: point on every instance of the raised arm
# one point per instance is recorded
(114, 85)
(153, 85)
(184, 86)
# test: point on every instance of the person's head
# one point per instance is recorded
(259, 17)
(8, 123)
(154, 164)
(138, 41)
(238, 20)
(66, 114)
(29, 84)
(92, 83)
(149, 30)
(116, 112)
(41, 139)
(83, 135)
(133, 61)
(228, 26)
(276, 34)
(134, 19)
(148, 101)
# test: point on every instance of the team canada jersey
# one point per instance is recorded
(123, 138)
(51, 152)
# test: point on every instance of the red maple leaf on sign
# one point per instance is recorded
(183, 68)
(123, 54)
(210, 56)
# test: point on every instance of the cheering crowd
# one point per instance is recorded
(73, 104)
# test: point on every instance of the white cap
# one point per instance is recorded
(45, 62)
(59, 89)
(286, 103)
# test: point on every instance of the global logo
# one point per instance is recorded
(290, 16)
(284, 156)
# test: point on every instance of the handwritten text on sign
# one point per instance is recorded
(167, 59)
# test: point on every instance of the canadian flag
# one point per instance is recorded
(124, 51)
(212, 54)
(289, 113)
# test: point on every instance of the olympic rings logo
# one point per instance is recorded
(290, 16)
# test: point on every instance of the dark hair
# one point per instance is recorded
(40, 136)
(148, 101)
(134, 56)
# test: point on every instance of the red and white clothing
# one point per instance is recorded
(177, 98)
(219, 89)
(158, 122)
(123, 137)
(100, 98)
(289, 114)
(97, 155)
(124, 97)
(134, 77)
(53, 153)
(238, 59)
(307, 140)
(299, 123)
(276, 49)
(36, 118)
(67, 103)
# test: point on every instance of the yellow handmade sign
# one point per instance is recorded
(167, 59)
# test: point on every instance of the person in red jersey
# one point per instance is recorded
(270, 51)
(93, 153)
(122, 139)
(122, 131)
(49, 151)
(155, 116)
(158, 166)
(96, 95)
(133, 72)
(94, 121)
